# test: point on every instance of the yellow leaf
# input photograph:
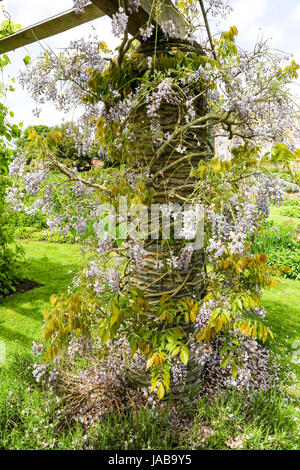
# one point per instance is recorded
(48, 355)
(153, 386)
(218, 324)
(271, 333)
(207, 297)
(201, 336)
(150, 362)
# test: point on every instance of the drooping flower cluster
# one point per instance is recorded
(146, 32)
(119, 22)
(137, 253)
(63, 80)
(168, 28)
(17, 167)
(251, 81)
(219, 8)
(191, 221)
(34, 179)
(179, 373)
(230, 234)
(133, 5)
(164, 92)
(79, 6)
(99, 279)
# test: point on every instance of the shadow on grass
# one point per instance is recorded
(11, 335)
(21, 315)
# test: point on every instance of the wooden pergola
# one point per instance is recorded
(95, 9)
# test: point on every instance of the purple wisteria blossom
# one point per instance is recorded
(119, 22)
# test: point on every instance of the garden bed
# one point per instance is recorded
(22, 287)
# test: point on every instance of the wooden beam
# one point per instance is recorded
(67, 20)
(55, 25)
(140, 18)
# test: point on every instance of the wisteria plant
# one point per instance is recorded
(156, 105)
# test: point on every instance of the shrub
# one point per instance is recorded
(292, 202)
(43, 235)
(10, 273)
(291, 210)
(21, 219)
(286, 258)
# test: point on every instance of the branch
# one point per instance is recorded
(208, 29)
(70, 174)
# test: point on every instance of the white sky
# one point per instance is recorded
(276, 20)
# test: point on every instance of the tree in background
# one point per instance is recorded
(22, 143)
(75, 147)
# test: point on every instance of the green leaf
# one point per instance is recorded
(105, 337)
(226, 361)
(27, 60)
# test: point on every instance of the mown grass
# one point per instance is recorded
(283, 317)
(21, 315)
(32, 417)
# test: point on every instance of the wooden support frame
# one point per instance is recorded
(45, 29)
(141, 17)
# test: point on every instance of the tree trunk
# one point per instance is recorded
(171, 185)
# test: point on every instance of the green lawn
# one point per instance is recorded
(21, 315)
(277, 218)
(283, 307)
(283, 317)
